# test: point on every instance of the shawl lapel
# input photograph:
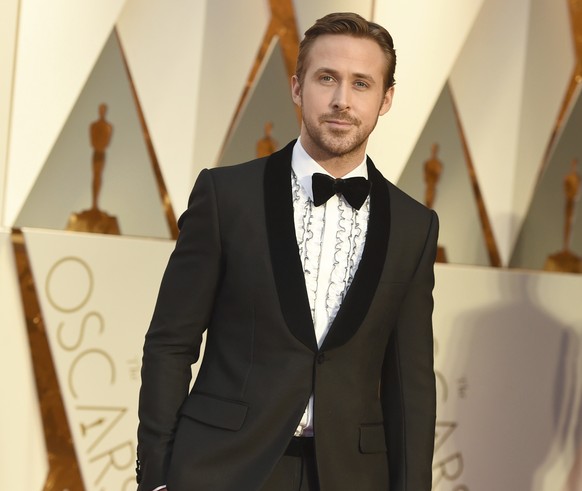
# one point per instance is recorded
(361, 292)
(286, 263)
(285, 258)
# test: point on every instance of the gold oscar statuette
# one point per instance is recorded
(266, 145)
(566, 261)
(94, 219)
(433, 168)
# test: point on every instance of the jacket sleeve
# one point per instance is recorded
(408, 385)
(172, 343)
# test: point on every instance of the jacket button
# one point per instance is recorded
(320, 358)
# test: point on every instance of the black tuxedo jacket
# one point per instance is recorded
(236, 273)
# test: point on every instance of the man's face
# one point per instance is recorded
(341, 96)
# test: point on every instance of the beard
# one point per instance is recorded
(337, 142)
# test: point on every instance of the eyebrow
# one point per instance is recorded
(364, 76)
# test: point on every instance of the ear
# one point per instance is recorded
(296, 90)
(387, 101)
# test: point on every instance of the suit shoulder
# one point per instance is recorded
(238, 171)
(401, 203)
(239, 184)
(401, 199)
(408, 214)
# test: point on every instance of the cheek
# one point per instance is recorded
(308, 104)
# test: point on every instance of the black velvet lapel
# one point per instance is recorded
(285, 258)
(286, 262)
(357, 301)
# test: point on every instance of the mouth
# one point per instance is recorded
(340, 123)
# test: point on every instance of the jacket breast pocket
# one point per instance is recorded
(372, 438)
(213, 411)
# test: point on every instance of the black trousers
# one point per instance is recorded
(297, 468)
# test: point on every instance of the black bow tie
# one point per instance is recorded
(354, 189)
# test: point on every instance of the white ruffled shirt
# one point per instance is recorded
(331, 240)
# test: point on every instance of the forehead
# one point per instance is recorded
(344, 52)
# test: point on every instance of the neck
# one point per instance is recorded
(337, 165)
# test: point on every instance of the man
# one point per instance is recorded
(318, 366)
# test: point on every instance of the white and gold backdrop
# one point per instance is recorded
(190, 84)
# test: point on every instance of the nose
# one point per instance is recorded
(341, 97)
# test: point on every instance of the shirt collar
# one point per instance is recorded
(304, 167)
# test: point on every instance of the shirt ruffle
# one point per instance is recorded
(348, 249)
(350, 237)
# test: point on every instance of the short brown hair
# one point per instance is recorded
(352, 25)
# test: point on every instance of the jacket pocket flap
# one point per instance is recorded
(212, 411)
(372, 438)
